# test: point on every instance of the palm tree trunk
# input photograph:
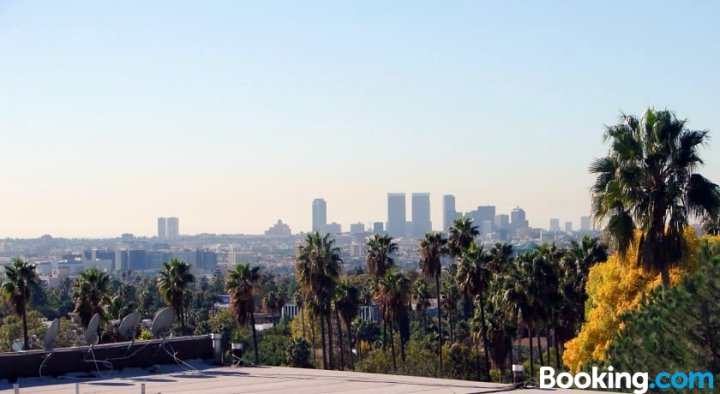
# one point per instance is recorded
(312, 332)
(340, 340)
(402, 351)
(330, 341)
(322, 340)
(450, 322)
(392, 347)
(302, 322)
(350, 344)
(484, 335)
(25, 329)
(532, 361)
(384, 333)
(440, 331)
(548, 341)
(255, 345)
(665, 275)
(557, 349)
(539, 346)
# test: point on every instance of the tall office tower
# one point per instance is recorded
(421, 223)
(173, 229)
(162, 229)
(319, 215)
(482, 214)
(357, 228)
(378, 228)
(568, 227)
(502, 221)
(517, 219)
(585, 223)
(554, 225)
(396, 215)
(449, 212)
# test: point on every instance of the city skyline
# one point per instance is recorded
(234, 115)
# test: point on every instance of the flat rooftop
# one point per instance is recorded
(210, 380)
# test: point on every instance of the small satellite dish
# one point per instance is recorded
(129, 325)
(17, 346)
(91, 335)
(162, 322)
(51, 335)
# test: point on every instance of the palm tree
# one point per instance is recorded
(500, 256)
(347, 304)
(421, 297)
(317, 269)
(174, 282)
(380, 249)
(648, 181)
(460, 235)
(91, 292)
(20, 278)
(394, 295)
(432, 249)
(241, 283)
(472, 278)
(711, 224)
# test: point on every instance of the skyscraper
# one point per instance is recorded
(585, 223)
(554, 225)
(421, 222)
(173, 229)
(481, 215)
(517, 219)
(319, 215)
(449, 212)
(162, 229)
(396, 215)
(568, 227)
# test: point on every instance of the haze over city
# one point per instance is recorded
(234, 115)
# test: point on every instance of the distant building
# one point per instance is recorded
(568, 227)
(585, 223)
(449, 212)
(289, 311)
(333, 228)
(369, 313)
(278, 229)
(319, 215)
(173, 229)
(378, 228)
(396, 215)
(554, 225)
(502, 222)
(357, 228)
(481, 215)
(518, 221)
(162, 229)
(421, 223)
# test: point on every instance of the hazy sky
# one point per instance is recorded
(233, 114)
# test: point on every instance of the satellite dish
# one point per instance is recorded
(129, 325)
(162, 322)
(17, 346)
(91, 336)
(51, 335)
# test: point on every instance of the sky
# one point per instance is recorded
(233, 114)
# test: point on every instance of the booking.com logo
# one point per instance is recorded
(639, 382)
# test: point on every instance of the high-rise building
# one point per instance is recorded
(518, 220)
(162, 229)
(319, 215)
(173, 229)
(421, 223)
(585, 223)
(378, 228)
(481, 215)
(333, 228)
(502, 221)
(449, 212)
(396, 215)
(357, 228)
(554, 225)
(568, 227)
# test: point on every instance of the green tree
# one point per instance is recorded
(393, 296)
(298, 353)
(174, 284)
(648, 181)
(241, 283)
(460, 235)
(380, 249)
(421, 298)
(20, 277)
(91, 292)
(432, 249)
(347, 303)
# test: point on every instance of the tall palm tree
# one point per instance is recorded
(501, 255)
(394, 295)
(16, 289)
(380, 249)
(648, 182)
(432, 249)
(317, 269)
(347, 304)
(174, 281)
(421, 298)
(472, 278)
(91, 292)
(241, 283)
(460, 235)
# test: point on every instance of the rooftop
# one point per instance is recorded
(212, 380)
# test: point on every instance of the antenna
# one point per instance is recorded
(129, 325)
(51, 335)
(91, 336)
(162, 322)
(17, 346)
